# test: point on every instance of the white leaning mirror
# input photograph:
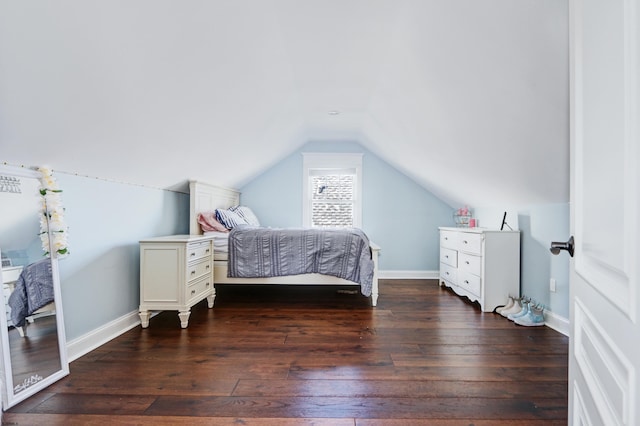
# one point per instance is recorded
(34, 353)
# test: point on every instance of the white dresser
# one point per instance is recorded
(176, 272)
(481, 264)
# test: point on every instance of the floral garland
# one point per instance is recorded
(52, 219)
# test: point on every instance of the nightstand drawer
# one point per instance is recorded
(197, 288)
(196, 270)
(197, 250)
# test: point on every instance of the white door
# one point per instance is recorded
(604, 351)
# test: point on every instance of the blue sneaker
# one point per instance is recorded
(535, 317)
(525, 310)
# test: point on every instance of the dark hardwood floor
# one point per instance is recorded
(317, 356)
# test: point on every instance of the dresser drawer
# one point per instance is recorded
(449, 239)
(448, 273)
(471, 243)
(470, 263)
(198, 269)
(197, 250)
(198, 287)
(448, 256)
(469, 282)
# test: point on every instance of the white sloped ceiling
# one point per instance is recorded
(467, 97)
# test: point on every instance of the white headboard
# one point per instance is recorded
(204, 197)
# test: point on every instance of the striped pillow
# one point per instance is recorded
(230, 219)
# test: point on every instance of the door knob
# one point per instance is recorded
(557, 246)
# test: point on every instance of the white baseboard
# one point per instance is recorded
(84, 344)
(409, 275)
(556, 322)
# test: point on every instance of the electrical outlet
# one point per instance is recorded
(552, 285)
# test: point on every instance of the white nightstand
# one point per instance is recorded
(176, 272)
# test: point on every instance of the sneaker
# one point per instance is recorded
(525, 310)
(535, 317)
(517, 307)
(509, 304)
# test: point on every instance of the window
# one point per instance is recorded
(332, 187)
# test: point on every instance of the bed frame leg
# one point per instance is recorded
(211, 298)
(22, 330)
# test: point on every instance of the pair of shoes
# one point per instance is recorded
(509, 305)
(516, 308)
(534, 317)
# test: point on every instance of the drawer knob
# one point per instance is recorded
(208, 266)
(207, 251)
(446, 273)
(193, 272)
(465, 241)
(193, 254)
(446, 256)
(193, 292)
(206, 285)
(467, 262)
(466, 281)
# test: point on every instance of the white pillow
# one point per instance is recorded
(247, 214)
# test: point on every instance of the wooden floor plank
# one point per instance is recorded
(340, 407)
(398, 389)
(309, 355)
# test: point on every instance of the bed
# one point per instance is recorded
(207, 198)
(31, 295)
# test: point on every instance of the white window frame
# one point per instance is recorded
(331, 161)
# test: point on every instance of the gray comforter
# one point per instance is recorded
(33, 290)
(266, 252)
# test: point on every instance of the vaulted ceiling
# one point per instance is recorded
(467, 97)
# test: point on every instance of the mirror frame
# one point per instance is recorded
(9, 397)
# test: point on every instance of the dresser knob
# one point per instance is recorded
(193, 292)
(193, 272)
(193, 254)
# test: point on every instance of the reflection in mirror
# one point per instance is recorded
(33, 344)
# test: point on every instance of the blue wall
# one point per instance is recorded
(100, 278)
(397, 214)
